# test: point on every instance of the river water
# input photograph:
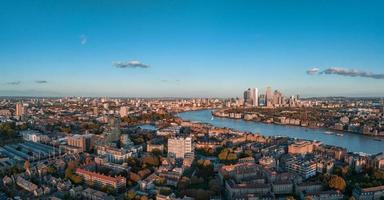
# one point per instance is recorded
(353, 142)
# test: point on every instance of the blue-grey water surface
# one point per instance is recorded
(353, 142)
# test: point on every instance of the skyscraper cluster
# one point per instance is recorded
(252, 98)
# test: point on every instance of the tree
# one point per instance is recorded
(151, 160)
(223, 154)
(131, 194)
(337, 182)
(351, 198)
(108, 189)
(184, 183)
(232, 157)
(156, 152)
(143, 198)
(214, 185)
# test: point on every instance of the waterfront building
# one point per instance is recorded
(300, 147)
(378, 161)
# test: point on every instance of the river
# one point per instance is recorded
(353, 142)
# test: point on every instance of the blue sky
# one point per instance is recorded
(192, 48)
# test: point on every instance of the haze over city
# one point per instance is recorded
(191, 48)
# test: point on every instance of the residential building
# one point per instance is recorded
(83, 142)
(179, 146)
(102, 180)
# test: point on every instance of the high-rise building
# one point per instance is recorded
(251, 97)
(84, 142)
(269, 97)
(246, 96)
(179, 146)
(20, 110)
(278, 98)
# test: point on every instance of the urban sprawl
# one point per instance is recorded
(139, 148)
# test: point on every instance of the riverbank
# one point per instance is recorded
(329, 130)
(352, 142)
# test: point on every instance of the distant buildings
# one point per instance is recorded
(269, 97)
(124, 110)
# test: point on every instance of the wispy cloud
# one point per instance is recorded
(313, 71)
(14, 83)
(41, 81)
(83, 39)
(130, 64)
(345, 72)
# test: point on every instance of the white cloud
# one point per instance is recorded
(130, 64)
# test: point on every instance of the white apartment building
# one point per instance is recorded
(179, 146)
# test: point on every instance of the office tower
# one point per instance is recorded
(124, 111)
(20, 110)
(251, 97)
(179, 146)
(277, 98)
(382, 105)
(255, 97)
(83, 142)
(246, 96)
(262, 99)
(268, 97)
(292, 101)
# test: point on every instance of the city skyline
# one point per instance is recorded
(191, 49)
